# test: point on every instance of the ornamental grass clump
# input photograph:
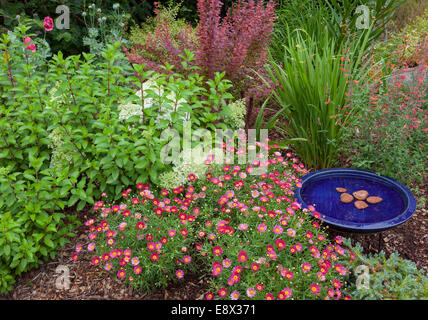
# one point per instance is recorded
(313, 82)
(245, 232)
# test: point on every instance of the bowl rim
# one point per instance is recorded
(359, 227)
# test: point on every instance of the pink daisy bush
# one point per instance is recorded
(244, 231)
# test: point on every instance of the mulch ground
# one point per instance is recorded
(87, 282)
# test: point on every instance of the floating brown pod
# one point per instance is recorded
(359, 204)
(360, 194)
(341, 190)
(346, 198)
(374, 200)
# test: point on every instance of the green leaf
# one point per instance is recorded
(49, 242)
(73, 200)
(6, 250)
(81, 205)
(51, 227)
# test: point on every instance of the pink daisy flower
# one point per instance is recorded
(234, 295)
(121, 274)
(227, 263)
(306, 267)
(217, 250)
(287, 292)
(315, 289)
(277, 229)
(269, 296)
(179, 274)
(291, 232)
(261, 227)
(108, 266)
(222, 292)
(138, 269)
(187, 259)
(243, 226)
(242, 256)
(251, 292)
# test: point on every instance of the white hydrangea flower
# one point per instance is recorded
(178, 176)
(60, 155)
(61, 99)
(128, 110)
(237, 116)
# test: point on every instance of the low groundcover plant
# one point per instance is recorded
(245, 232)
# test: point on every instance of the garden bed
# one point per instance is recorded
(89, 282)
(79, 133)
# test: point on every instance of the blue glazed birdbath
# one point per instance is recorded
(319, 189)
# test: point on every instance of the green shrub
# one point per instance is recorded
(388, 278)
(389, 136)
(164, 13)
(69, 128)
(405, 48)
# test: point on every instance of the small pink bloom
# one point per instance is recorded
(234, 295)
(135, 261)
(121, 274)
(108, 266)
(48, 23)
(261, 227)
(314, 288)
(179, 274)
(277, 229)
(79, 248)
(251, 292)
(306, 267)
(31, 47)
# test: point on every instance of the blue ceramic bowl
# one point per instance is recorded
(319, 189)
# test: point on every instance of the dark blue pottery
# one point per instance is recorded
(319, 189)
